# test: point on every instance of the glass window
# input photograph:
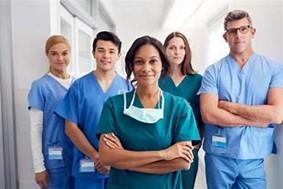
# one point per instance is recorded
(85, 63)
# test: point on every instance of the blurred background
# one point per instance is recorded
(26, 24)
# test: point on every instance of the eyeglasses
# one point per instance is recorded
(242, 30)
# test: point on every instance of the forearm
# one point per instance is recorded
(125, 159)
(163, 167)
(79, 139)
(36, 125)
(213, 112)
(259, 113)
(224, 118)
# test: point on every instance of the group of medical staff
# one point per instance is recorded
(104, 131)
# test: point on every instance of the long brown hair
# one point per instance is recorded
(186, 65)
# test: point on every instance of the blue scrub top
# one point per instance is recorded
(45, 94)
(83, 105)
(249, 85)
(177, 125)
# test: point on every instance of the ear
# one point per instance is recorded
(225, 36)
(253, 31)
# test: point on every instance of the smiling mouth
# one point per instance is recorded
(146, 75)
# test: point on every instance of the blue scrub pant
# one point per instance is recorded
(230, 173)
(189, 176)
(90, 183)
(60, 178)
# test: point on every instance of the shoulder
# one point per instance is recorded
(215, 68)
(268, 64)
(121, 79)
(41, 82)
(174, 100)
(116, 102)
(81, 81)
(195, 77)
(267, 60)
(163, 80)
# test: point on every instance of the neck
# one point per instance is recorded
(148, 91)
(242, 58)
(59, 74)
(176, 74)
(104, 75)
(175, 69)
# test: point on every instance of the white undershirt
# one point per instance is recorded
(36, 125)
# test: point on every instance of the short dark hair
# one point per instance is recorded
(236, 15)
(186, 65)
(107, 36)
(138, 43)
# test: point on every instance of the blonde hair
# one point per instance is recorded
(55, 39)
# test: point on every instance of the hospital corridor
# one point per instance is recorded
(25, 26)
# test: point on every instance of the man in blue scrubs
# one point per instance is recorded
(82, 107)
(241, 100)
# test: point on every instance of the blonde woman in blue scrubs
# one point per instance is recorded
(145, 135)
(51, 148)
(183, 81)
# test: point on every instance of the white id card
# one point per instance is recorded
(87, 166)
(219, 141)
(55, 152)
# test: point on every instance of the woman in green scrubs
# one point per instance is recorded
(183, 81)
(145, 135)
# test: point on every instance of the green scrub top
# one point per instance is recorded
(177, 125)
(187, 89)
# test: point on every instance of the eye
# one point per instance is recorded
(243, 29)
(112, 51)
(53, 53)
(100, 50)
(182, 47)
(65, 53)
(153, 61)
(138, 62)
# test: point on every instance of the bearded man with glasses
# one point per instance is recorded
(241, 102)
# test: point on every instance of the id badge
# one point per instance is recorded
(55, 152)
(219, 141)
(87, 166)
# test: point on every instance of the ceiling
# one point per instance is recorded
(138, 13)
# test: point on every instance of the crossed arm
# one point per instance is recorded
(228, 114)
(176, 157)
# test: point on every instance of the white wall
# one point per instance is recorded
(30, 29)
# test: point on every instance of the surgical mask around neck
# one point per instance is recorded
(145, 115)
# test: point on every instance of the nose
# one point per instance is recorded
(176, 51)
(60, 57)
(146, 67)
(238, 33)
(106, 54)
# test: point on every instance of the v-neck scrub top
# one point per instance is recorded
(247, 85)
(177, 125)
(45, 94)
(187, 89)
(83, 105)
